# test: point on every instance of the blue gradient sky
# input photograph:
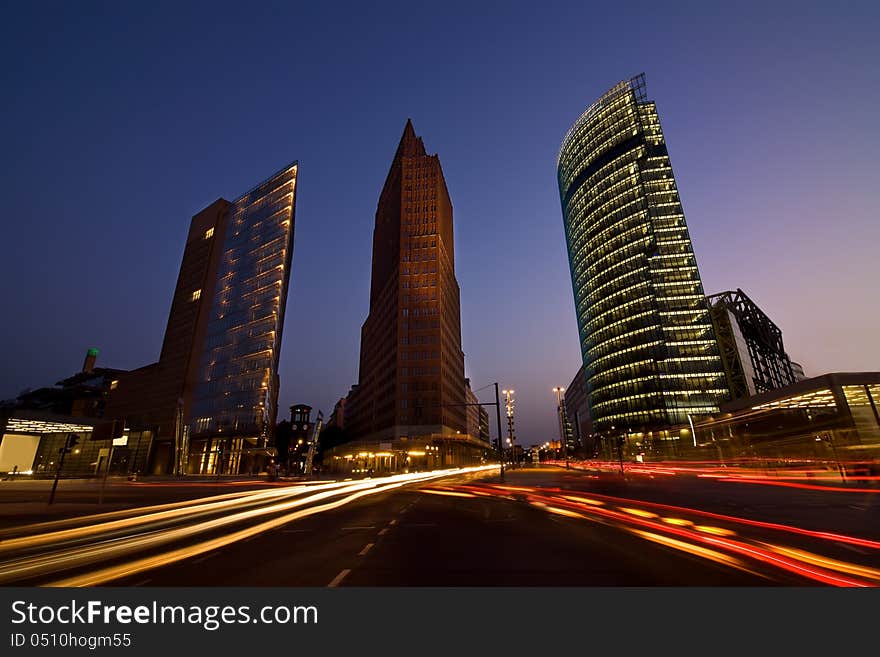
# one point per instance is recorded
(121, 121)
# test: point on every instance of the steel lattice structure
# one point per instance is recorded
(751, 345)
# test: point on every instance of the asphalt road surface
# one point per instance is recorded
(537, 527)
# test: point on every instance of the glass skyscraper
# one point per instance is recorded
(649, 351)
(236, 391)
(211, 400)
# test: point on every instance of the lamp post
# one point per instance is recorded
(508, 400)
(561, 412)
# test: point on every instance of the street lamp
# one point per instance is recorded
(508, 401)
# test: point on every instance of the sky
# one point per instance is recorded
(119, 121)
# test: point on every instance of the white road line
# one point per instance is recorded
(341, 576)
(365, 550)
(393, 522)
(383, 532)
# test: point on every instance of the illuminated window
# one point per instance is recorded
(209, 233)
(114, 385)
(195, 295)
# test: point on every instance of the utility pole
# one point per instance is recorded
(69, 443)
(497, 406)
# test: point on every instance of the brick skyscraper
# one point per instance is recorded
(411, 380)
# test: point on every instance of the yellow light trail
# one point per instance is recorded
(68, 557)
(697, 550)
(190, 507)
(147, 563)
(450, 493)
(826, 562)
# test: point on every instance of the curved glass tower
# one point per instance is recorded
(649, 351)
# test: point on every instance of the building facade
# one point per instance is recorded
(751, 346)
(212, 397)
(473, 411)
(577, 410)
(337, 417)
(649, 351)
(484, 425)
(833, 418)
(411, 382)
(84, 394)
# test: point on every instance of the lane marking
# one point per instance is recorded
(341, 576)
(393, 522)
(365, 550)
(383, 532)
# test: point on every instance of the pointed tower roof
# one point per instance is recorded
(410, 145)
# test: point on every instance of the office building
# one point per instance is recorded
(472, 411)
(212, 397)
(337, 417)
(411, 384)
(577, 410)
(649, 351)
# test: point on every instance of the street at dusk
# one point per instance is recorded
(362, 297)
(546, 526)
(405, 327)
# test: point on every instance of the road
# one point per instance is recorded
(539, 527)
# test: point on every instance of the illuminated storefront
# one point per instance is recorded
(834, 416)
